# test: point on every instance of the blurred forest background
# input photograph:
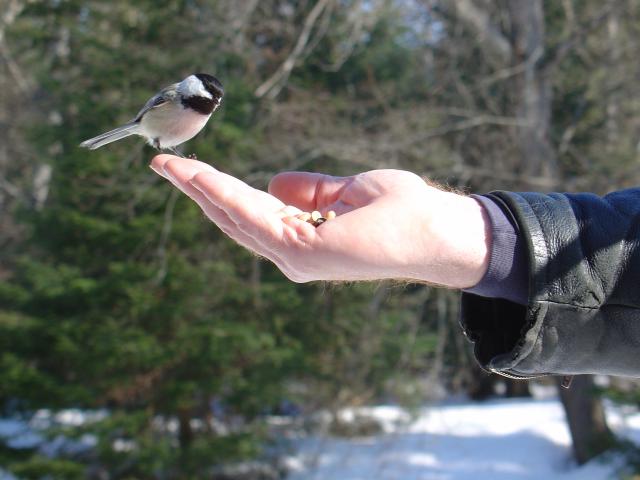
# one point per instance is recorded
(117, 295)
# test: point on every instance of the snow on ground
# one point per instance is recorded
(497, 440)
(4, 475)
(19, 434)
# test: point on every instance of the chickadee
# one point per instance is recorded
(171, 117)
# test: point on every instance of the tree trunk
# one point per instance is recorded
(521, 51)
(185, 433)
(613, 106)
(585, 415)
(584, 411)
(531, 88)
(481, 385)
(517, 388)
(255, 281)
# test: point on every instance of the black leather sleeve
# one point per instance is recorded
(583, 311)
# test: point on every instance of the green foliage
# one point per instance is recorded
(123, 296)
(120, 295)
(38, 467)
(135, 446)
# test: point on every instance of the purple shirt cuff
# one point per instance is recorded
(507, 274)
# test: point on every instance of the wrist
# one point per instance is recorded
(456, 243)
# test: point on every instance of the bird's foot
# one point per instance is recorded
(192, 156)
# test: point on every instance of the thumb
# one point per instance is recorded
(307, 191)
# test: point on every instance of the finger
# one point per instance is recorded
(179, 171)
(307, 191)
(248, 213)
(192, 167)
(169, 162)
(159, 162)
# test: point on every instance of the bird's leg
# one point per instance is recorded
(176, 152)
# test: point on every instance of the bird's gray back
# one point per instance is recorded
(166, 95)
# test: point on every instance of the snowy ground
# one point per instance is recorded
(497, 440)
(501, 439)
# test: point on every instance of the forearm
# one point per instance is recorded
(583, 312)
(456, 241)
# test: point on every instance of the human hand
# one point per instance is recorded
(389, 224)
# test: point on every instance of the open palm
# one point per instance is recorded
(387, 224)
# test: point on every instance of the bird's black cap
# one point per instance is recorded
(211, 84)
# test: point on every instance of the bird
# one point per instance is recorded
(171, 117)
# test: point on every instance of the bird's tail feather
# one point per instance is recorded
(111, 136)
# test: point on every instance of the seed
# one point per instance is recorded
(304, 216)
(319, 221)
(331, 215)
(315, 215)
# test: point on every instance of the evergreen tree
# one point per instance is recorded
(121, 294)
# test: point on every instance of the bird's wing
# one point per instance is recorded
(162, 98)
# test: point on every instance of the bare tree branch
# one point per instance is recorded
(11, 12)
(577, 36)
(10, 189)
(41, 183)
(473, 122)
(513, 178)
(357, 27)
(489, 35)
(164, 236)
(236, 19)
(510, 72)
(274, 84)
